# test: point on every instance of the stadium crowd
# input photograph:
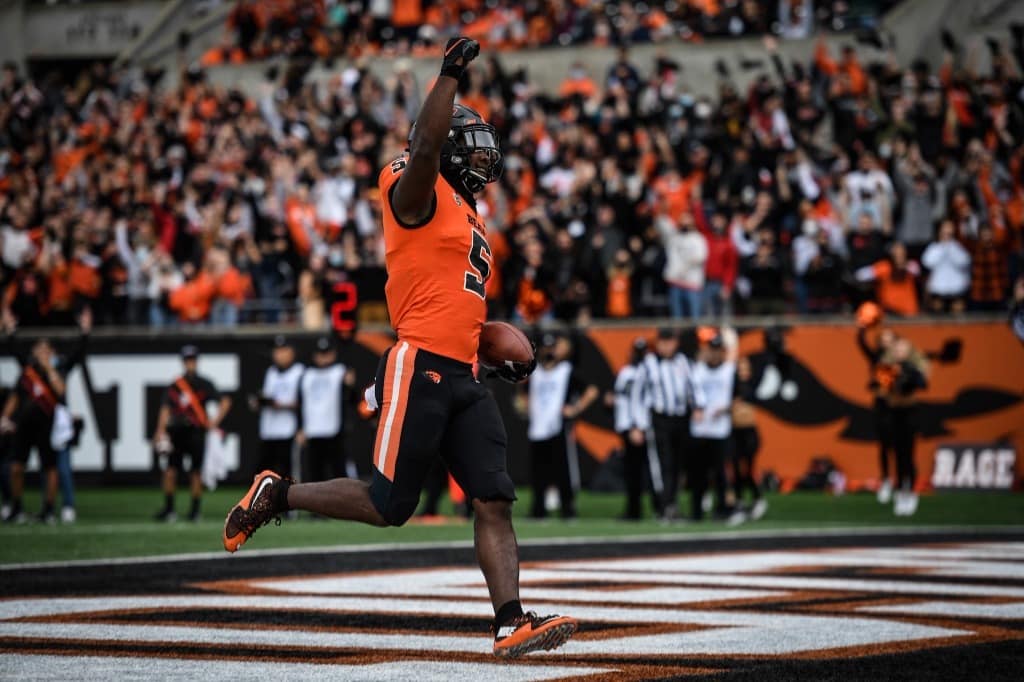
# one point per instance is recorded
(828, 182)
(257, 29)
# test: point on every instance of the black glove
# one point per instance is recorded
(458, 53)
(512, 372)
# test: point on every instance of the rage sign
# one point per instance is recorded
(974, 466)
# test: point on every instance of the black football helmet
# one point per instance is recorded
(469, 133)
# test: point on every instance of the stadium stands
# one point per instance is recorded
(260, 28)
(197, 203)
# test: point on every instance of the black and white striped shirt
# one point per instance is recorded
(668, 383)
(632, 408)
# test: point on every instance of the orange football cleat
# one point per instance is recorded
(253, 511)
(529, 633)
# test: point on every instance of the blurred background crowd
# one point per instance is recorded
(257, 29)
(828, 182)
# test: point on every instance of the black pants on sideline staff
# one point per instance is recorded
(636, 471)
(325, 458)
(706, 460)
(276, 455)
(883, 431)
(904, 433)
(745, 442)
(670, 439)
(187, 442)
(549, 465)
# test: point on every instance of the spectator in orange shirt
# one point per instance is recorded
(300, 215)
(224, 53)
(895, 281)
(620, 285)
(230, 290)
(192, 300)
(578, 83)
(672, 194)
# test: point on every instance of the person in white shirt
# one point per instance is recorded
(557, 394)
(324, 390)
(711, 428)
(869, 189)
(949, 264)
(686, 251)
(278, 405)
(632, 422)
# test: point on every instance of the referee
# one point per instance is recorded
(323, 390)
(632, 421)
(667, 381)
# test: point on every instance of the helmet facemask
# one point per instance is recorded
(459, 150)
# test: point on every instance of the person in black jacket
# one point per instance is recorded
(28, 416)
(901, 373)
(880, 406)
(181, 429)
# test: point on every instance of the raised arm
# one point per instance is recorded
(413, 196)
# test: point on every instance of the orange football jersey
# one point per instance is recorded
(437, 272)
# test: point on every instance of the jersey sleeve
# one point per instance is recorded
(386, 182)
(389, 175)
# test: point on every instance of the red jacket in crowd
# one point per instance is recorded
(723, 260)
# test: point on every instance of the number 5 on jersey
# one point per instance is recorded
(481, 264)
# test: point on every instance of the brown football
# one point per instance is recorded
(501, 341)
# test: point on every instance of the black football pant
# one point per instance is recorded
(433, 487)
(706, 461)
(670, 438)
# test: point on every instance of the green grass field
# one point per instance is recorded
(116, 522)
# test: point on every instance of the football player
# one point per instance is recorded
(438, 262)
